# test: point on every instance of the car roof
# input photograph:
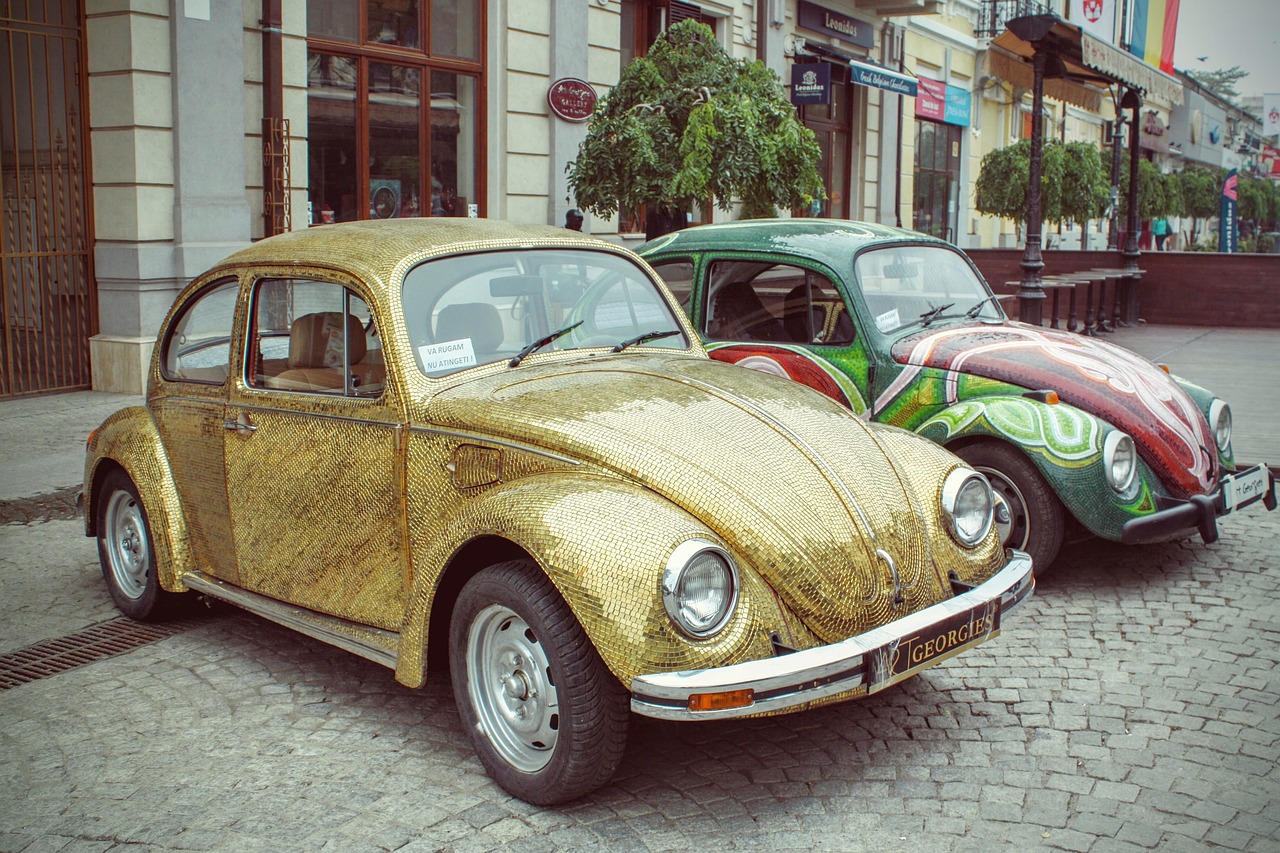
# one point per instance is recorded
(833, 241)
(376, 249)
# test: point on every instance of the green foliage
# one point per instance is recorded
(1259, 200)
(1221, 82)
(688, 123)
(1074, 182)
(1153, 198)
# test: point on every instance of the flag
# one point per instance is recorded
(1154, 26)
(1228, 229)
(1271, 113)
(1095, 17)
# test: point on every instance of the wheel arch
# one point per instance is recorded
(128, 441)
(601, 541)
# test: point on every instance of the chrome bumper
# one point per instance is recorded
(875, 660)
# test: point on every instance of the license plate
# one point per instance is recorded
(907, 655)
(1243, 488)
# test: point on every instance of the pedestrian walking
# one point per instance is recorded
(1160, 228)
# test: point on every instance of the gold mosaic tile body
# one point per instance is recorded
(596, 465)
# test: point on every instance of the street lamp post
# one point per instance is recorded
(1033, 29)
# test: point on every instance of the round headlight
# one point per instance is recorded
(968, 502)
(699, 588)
(1220, 423)
(1120, 459)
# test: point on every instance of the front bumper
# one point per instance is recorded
(874, 660)
(1236, 491)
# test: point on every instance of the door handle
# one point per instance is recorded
(240, 424)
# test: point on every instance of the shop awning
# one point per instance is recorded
(1085, 61)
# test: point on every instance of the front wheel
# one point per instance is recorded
(1036, 519)
(548, 719)
(126, 553)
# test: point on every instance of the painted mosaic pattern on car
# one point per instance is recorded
(1107, 381)
(798, 363)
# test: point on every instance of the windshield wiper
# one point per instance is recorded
(973, 312)
(541, 342)
(644, 339)
(932, 314)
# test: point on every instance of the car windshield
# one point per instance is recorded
(907, 287)
(467, 310)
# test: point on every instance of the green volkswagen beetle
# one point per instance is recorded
(1076, 435)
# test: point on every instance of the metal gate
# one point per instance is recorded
(46, 273)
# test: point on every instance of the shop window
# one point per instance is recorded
(391, 133)
(937, 179)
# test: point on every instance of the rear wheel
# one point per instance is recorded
(548, 719)
(1035, 519)
(126, 553)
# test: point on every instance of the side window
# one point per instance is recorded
(313, 337)
(677, 275)
(198, 346)
(774, 303)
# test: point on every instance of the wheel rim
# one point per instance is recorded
(126, 544)
(509, 685)
(1015, 530)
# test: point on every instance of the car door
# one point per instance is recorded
(188, 404)
(313, 457)
(777, 316)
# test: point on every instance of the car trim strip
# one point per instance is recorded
(374, 644)
(810, 675)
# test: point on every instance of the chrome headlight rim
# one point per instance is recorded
(955, 490)
(1220, 424)
(1115, 447)
(680, 561)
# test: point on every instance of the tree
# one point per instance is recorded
(689, 124)
(1198, 191)
(1221, 82)
(1153, 200)
(1074, 183)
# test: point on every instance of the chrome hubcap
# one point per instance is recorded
(509, 686)
(126, 544)
(1012, 521)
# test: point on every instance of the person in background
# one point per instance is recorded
(1160, 229)
(573, 219)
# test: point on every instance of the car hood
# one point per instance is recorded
(794, 484)
(1110, 382)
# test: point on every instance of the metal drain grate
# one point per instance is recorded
(104, 640)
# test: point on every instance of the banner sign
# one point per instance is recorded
(939, 101)
(868, 74)
(1228, 228)
(811, 83)
(836, 24)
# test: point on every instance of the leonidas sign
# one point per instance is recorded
(571, 99)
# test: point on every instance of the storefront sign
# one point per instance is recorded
(866, 74)
(811, 83)
(938, 101)
(959, 106)
(836, 24)
(571, 99)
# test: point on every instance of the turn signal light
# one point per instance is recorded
(722, 701)
(1049, 398)
(1162, 366)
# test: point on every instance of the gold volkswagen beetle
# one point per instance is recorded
(504, 445)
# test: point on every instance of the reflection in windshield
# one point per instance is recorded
(468, 310)
(911, 286)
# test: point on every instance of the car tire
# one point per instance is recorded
(547, 717)
(1037, 518)
(127, 553)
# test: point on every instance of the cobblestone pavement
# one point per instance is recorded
(1131, 705)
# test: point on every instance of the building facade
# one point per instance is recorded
(176, 131)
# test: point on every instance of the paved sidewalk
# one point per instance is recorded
(45, 437)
